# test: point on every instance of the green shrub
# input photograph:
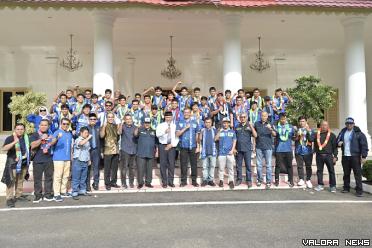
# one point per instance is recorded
(25, 105)
(367, 170)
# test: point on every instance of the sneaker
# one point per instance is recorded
(58, 198)
(211, 183)
(204, 183)
(21, 198)
(195, 184)
(345, 191)
(319, 188)
(231, 185)
(220, 184)
(37, 199)
(183, 184)
(48, 198)
(309, 185)
(258, 184)
(276, 183)
(301, 182)
(291, 185)
(359, 194)
(10, 203)
(332, 189)
(268, 185)
(66, 195)
(171, 185)
(238, 182)
(95, 186)
(75, 197)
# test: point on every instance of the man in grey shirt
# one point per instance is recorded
(128, 151)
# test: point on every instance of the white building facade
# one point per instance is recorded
(125, 46)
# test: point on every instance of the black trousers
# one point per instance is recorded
(352, 163)
(187, 155)
(126, 164)
(300, 161)
(327, 159)
(47, 169)
(144, 168)
(284, 159)
(167, 163)
(110, 163)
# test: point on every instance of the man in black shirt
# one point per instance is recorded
(42, 142)
(325, 147)
(146, 151)
(17, 147)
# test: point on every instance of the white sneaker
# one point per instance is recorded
(309, 184)
(301, 182)
(319, 188)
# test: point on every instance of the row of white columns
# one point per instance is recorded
(355, 78)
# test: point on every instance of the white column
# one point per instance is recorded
(355, 73)
(232, 54)
(103, 61)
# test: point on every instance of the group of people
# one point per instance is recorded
(81, 129)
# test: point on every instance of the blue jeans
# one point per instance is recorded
(239, 165)
(79, 177)
(267, 155)
(209, 164)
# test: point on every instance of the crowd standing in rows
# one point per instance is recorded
(78, 130)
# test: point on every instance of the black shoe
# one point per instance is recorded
(220, 184)
(89, 189)
(148, 185)
(164, 185)
(140, 186)
(95, 186)
(291, 185)
(238, 182)
(268, 185)
(131, 185)
(171, 185)
(183, 184)
(276, 183)
(258, 184)
(48, 198)
(195, 184)
(124, 186)
(37, 199)
(359, 194)
(204, 183)
(249, 185)
(114, 185)
(211, 183)
(345, 191)
(10, 203)
(231, 185)
(108, 187)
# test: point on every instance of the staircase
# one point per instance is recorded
(156, 182)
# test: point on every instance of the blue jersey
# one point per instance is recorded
(188, 138)
(227, 138)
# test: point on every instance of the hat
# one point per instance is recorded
(349, 120)
(225, 119)
(147, 120)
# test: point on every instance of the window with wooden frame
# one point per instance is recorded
(7, 119)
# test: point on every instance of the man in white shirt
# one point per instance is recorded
(166, 132)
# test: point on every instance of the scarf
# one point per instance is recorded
(283, 132)
(214, 149)
(19, 153)
(253, 116)
(45, 144)
(155, 120)
(281, 101)
(320, 145)
(122, 111)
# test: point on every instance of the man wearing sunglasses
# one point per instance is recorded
(353, 143)
(62, 160)
(102, 117)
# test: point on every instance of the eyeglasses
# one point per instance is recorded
(42, 110)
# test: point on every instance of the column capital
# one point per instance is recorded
(105, 17)
(232, 19)
(353, 21)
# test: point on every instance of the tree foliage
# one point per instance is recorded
(23, 105)
(311, 98)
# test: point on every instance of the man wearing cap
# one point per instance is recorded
(146, 151)
(166, 133)
(227, 143)
(188, 132)
(353, 143)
